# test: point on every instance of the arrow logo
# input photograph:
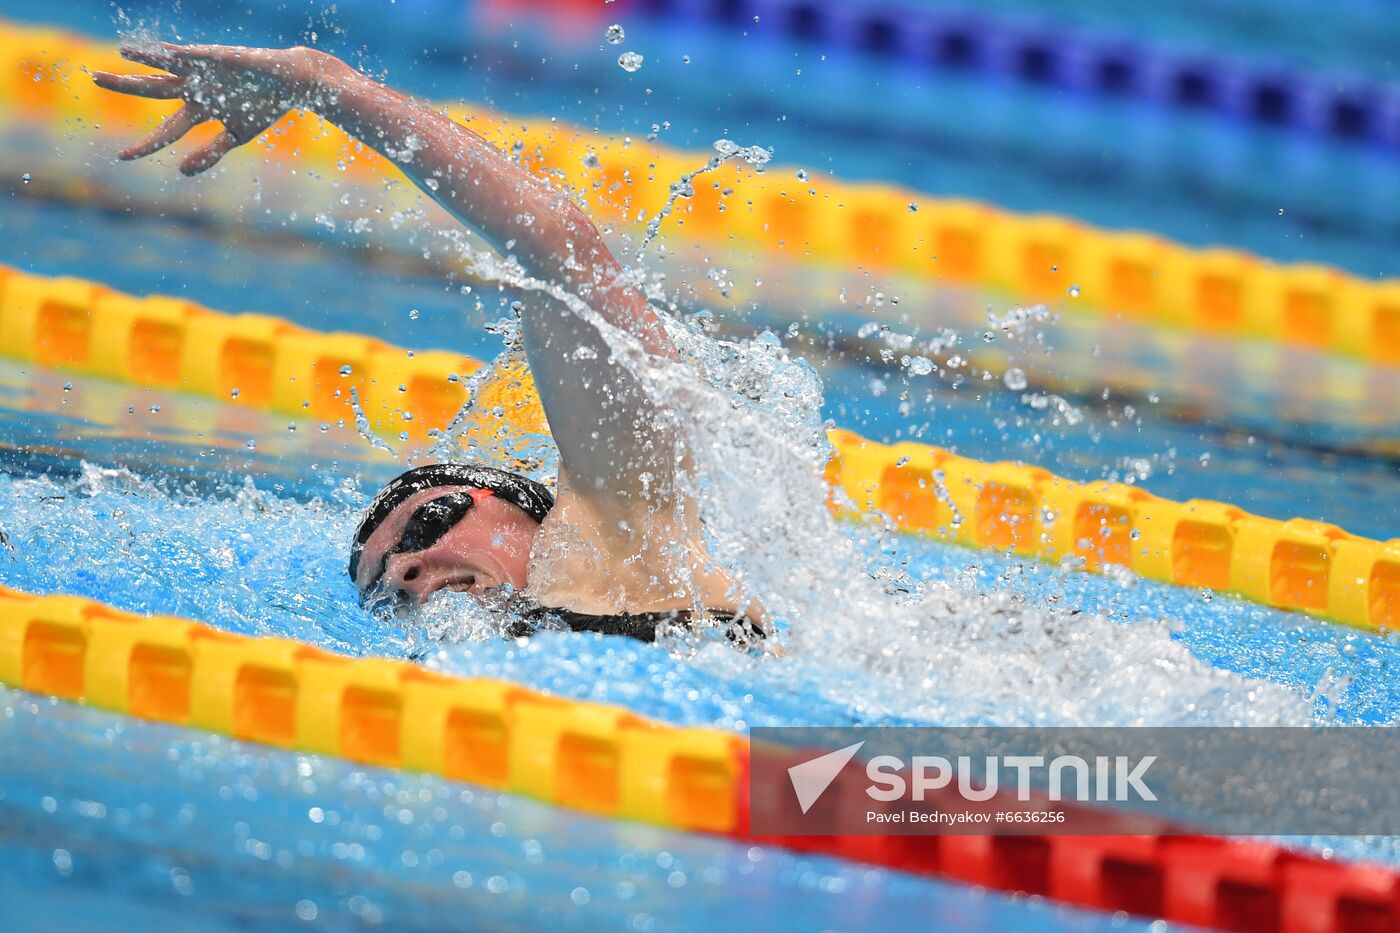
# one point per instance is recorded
(811, 778)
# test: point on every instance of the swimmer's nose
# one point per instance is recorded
(405, 580)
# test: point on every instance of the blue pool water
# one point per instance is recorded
(163, 504)
(294, 584)
(112, 823)
(183, 532)
(122, 821)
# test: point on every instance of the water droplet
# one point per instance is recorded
(913, 206)
(252, 444)
(802, 174)
(754, 155)
(1015, 379)
(1074, 291)
(413, 315)
(615, 35)
(629, 61)
(68, 387)
(27, 178)
(233, 393)
(155, 409)
(920, 365)
(345, 370)
(590, 160)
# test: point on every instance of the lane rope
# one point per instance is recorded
(81, 326)
(1028, 257)
(1041, 53)
(609, 762)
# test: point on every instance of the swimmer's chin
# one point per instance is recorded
(450, 616)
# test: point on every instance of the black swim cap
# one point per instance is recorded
(519, 490)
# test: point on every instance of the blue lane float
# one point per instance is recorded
(1051, 54)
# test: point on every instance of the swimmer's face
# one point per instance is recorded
(447, 537)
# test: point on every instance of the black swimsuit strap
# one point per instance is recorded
(640, 625)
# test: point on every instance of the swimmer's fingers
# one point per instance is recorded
(218, 54)
(156, 54)
(207, 156)
(175, 126)
(156, 87)
(185, 59)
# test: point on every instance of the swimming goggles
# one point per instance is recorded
(425, 528)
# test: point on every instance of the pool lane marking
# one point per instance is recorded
(270, 363)
(879, 228)
(609, 762)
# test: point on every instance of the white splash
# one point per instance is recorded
(753, 428)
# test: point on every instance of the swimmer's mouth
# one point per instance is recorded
(380, 599)
(457, 585)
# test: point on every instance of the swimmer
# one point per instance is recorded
(619, 550)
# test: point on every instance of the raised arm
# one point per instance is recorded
(617, 446)
(247, 90)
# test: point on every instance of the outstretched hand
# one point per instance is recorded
(247, 90)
